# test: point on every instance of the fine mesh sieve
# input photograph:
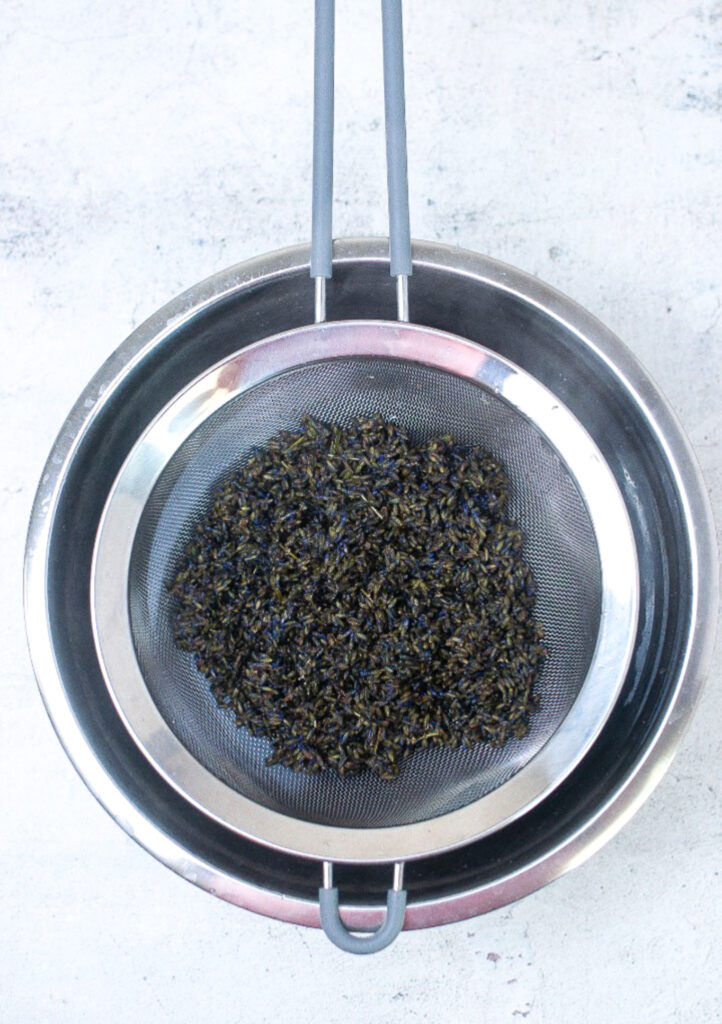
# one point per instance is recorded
(560, 546)
(579, 545)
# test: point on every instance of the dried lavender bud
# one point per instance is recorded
(353, 595)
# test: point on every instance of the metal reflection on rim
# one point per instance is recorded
(207, 394)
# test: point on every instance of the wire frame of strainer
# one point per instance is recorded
(578, 541)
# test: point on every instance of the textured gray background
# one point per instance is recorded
(145, 145)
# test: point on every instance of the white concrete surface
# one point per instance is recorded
(146, 145)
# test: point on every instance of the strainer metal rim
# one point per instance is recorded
(208, 393)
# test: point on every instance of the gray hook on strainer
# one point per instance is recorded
(321, 270)
(337, 931)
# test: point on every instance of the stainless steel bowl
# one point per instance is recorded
(574, 356)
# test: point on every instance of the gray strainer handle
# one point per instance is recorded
(323, 53)
(337, 931)
(396, 160)
(396, 166)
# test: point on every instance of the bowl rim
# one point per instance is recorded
(620, 804)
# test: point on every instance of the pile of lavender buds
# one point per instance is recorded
(353, 595)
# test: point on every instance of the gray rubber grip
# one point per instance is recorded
(321, 228)
(339, 934)
(396, 164)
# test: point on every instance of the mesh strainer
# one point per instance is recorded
(579, 544)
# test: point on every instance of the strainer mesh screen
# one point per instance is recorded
(559, 546)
